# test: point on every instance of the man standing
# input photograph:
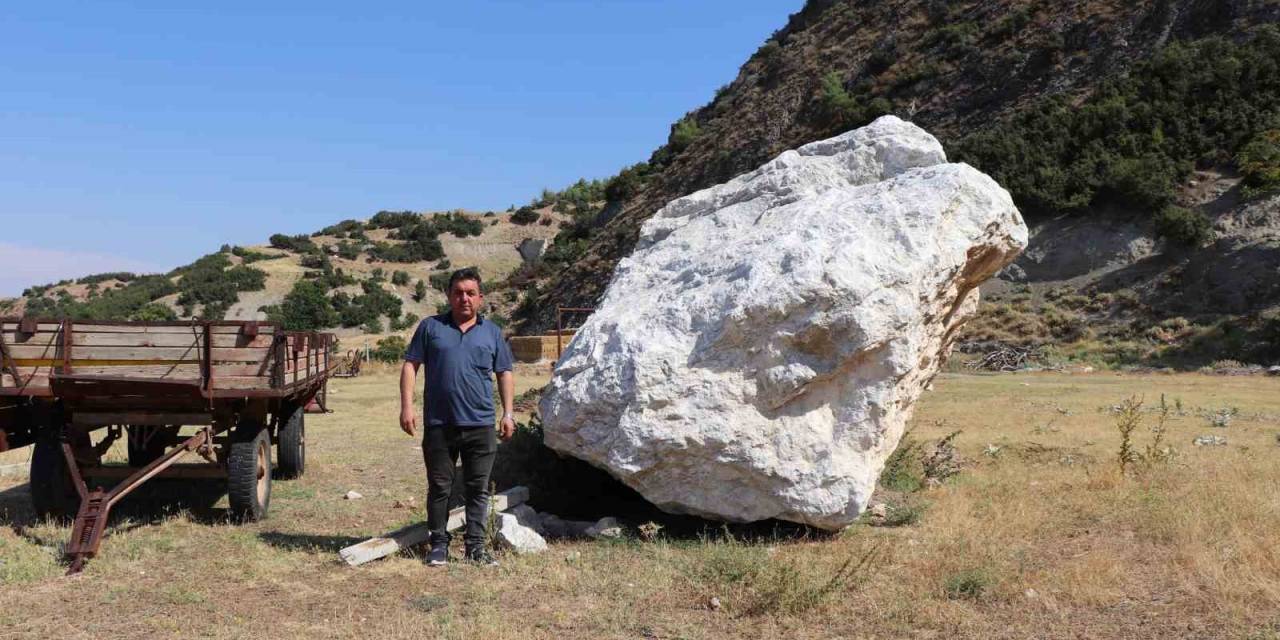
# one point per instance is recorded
(461, 351)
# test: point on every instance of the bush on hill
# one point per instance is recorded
(122, 276)
(525, 215)
(296, 244)
(389, 349)
(1184, 226)
(341, 229)
(1137, 136)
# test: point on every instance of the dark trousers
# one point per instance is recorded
(441, 448)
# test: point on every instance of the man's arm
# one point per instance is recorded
(408, 379)
(506, 391)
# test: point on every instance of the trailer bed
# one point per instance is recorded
(244, 385)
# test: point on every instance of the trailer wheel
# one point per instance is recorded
(249, 474)
(52, 493)
(141, 455)
(291, 446)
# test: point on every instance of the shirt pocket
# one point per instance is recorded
(481, 357)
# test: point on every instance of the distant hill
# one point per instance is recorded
(359, 278)
(1141, 140)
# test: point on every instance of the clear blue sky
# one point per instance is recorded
(142, 135)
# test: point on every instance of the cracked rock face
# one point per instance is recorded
(758, 355)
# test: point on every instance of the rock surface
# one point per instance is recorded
(758, 355)
(517, 537)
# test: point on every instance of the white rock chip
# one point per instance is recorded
(526, 516)
(758, 355)
(517, 537)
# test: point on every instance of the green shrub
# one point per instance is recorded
(628, 182)
(372, 325)
(389, 349)
(208, 281)
(683, 133)
(420, 244)
(1259, 162)
(348, 250)
(154, 312)
(525, 215)
(419, 291)
(1184, 226)
(122, 276)
(393, 219)
(969, 584)
(458, 224)
(400, 278)
(404, 322)
(296, 244)
(1137, 136)
(901, 470)
(341, 229)
(304, 308)
(249, 256)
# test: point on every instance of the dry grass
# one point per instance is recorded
(1040, 538)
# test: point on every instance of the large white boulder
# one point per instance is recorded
(758, 355)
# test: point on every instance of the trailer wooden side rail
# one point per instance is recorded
(242, 385)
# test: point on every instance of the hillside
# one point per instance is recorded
(1141, 140)
(362, 279)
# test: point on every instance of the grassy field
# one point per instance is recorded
(1039, 536)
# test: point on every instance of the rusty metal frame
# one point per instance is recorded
(95, 506)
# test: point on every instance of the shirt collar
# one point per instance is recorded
(448, 319)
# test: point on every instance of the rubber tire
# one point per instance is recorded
(52, 493)
(291, 446)
(142, 456)
(248, 465)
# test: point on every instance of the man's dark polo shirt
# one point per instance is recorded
(459, 369)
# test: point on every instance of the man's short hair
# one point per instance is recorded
(470, 273)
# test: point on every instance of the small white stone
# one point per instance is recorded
(517, 537)
(714, 603)
(353, 495)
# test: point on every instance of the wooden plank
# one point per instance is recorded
(34, 351)
(88, 339)
(12, 325)
(241, 382)
(180, 329)
(167, 340)
(97, 419)
(263, 329)
(30, 340)
(29, 382)
(262, 369)
(182, 371)
(247, 354)
(14, 337)
(380, 547)
(57, 362)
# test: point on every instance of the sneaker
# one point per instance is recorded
(479, 555)
(439, 554)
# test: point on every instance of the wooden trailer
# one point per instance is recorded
(224, 391)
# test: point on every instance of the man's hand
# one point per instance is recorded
(409, 420)
(507, 427)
